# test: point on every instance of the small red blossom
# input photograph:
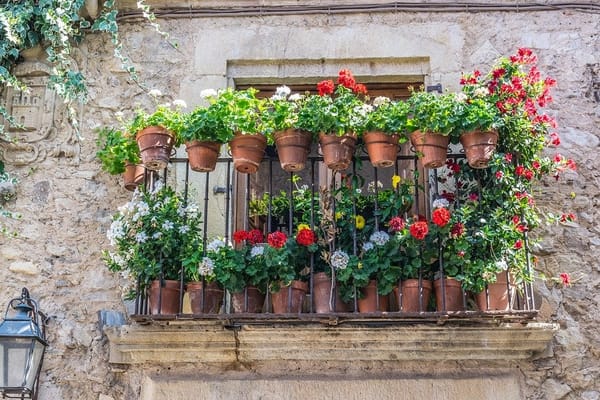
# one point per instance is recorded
(528, 174)
(359, 88)
(536, 165)
(325, 87)
(498, 73)
(516, 219)
(396, 224)
(306, 237)
(530, 108)
(550, 82)
(519, 170)
(346, 79)
(458, 229)
(499, 174)
(518, 244)
(461, 254)
(453, 165)
(473, 196)
(508, 157)
(571, 164)
(240, 236)
(558, 158)
(565, 278)
(533, 75)
(255, 236)
(567, 217)
(520, 228)
(419, 230)
(524, 56)
(554, 139)
(440, 216)
(448, 196)
(276, 239)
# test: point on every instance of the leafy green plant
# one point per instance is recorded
(153, 235)
(281, 112)
(435, 113)
(388, 117)
(117, 149)
(166, 116)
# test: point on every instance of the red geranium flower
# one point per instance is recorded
(306, 237)
(325, 87)
(554, 139)
(240, 236)
(419, 230)
(359, 88)
(396, 224)
(518, 244)
(276, 239)
(346, 79)
(458, 229)
(440, 216)
(566, 279)
(255, 236)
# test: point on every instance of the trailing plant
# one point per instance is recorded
(117, 149)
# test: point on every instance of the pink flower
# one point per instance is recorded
(396, 224)
(566, 279)
(499, 174)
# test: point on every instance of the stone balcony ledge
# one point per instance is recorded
(191, 341)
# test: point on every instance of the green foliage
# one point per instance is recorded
(154, 233)
(116, 149)
(436, 113)
(388, 117)
(164, 116)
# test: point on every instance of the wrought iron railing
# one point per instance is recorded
(426, 186)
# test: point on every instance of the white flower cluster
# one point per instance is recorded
(215, 245)
(380, 100)
(481, 92)
(367, 246)
(281, 93)
(339, 259)
(206, 267)
(296, 97)
(441, 203)
(257, 251)
(371, 186)
(461, 97)
(380, 238)
(207, 93)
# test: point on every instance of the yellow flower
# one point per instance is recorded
(360, 222)
(360, 265)
(338, 215)
(303, 226)
(395, 181)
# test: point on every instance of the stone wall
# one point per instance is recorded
(67, 202)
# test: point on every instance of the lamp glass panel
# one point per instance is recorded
(14, 354)
(34, 365)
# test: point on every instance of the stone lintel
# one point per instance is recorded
(212, 342)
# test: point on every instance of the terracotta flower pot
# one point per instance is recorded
(369, 302)
(293, 146)
(479, 147)
(431, 148)
(133, 176)
(165, 300)
(322, 295)
(205, 298)
(247, 152)
(413, 298)
(496, 296)
(249, 300)
(289, 299)
(449, 292)
(155, 143)
(202, 155)
(382, 148)
(337, 150)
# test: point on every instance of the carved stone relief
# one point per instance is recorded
(40, 115)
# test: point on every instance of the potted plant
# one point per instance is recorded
(204, 131)
(288, 260)
(152, 235)
(240, 268)
(157, 133)
(479, 120)
(338, 116)
(385, 128)
(241, 111)
(433, 122)
(280, 117)
(119, 154)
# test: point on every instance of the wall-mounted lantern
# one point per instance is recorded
(22, 347)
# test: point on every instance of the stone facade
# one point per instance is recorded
(66, 202)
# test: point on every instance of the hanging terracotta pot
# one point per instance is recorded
(322, 295)
(155, 144)
(413, 298)
(479, 147)
(247, 152)
(369, 301)
(497, 296)
(448, 293)
(382, 148)
(133, 176)
(205, 298)
(289, 299)
(432, 148)
(249, 300)
(203, 155)
(293, 146)
(165, 299)
(337, 150)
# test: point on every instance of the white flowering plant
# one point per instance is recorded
(167, 115)
(389, 117)
(154, 235)
(374, 262)
(281, 112)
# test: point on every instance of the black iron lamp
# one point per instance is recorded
(22, 347)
